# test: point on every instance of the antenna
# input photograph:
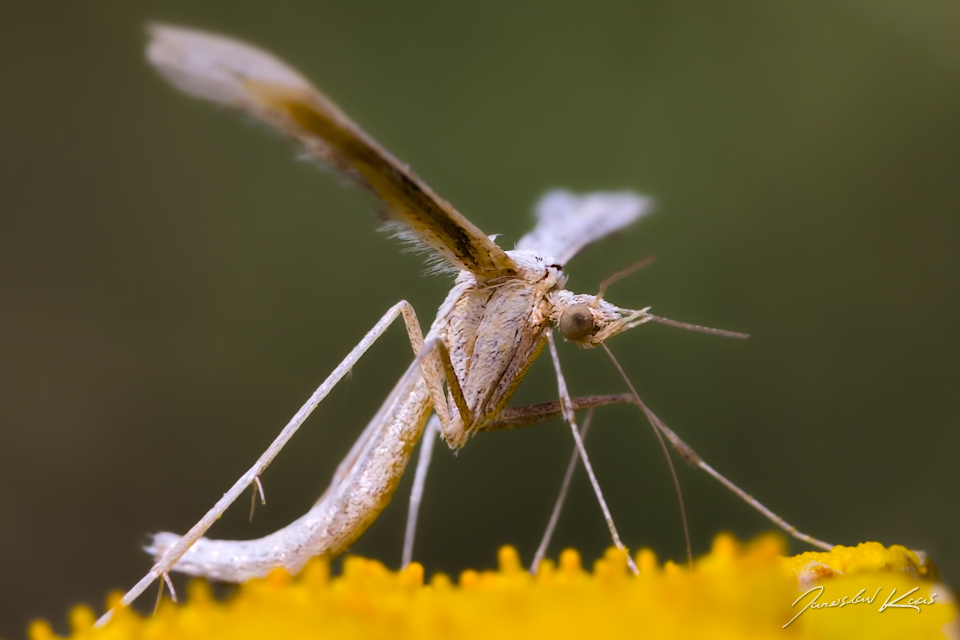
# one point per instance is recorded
(619, 275)
(697, 327)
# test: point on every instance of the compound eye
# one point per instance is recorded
(576, 322)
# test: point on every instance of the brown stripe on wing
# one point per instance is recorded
(244, 77)
(410, 200)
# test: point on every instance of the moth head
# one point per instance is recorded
(588, 321)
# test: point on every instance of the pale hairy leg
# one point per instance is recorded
(533, 414)
(512, 418)
(690, 456)
(558, 505)
(175, 552)
(567, 406)
(427, 440)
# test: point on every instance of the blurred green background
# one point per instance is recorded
(173, 283)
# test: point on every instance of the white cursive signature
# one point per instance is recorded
(912, 603)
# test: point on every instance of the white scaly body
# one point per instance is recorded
(493, 334)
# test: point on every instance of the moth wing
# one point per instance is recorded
(243, 77)
(567, 222)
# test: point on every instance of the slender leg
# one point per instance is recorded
(513, 418)
(558, 505)
(666, 454)
(531, 414)
(439, 420)
(175, 552)
(427, 440)
(571, 420)
(690, 456)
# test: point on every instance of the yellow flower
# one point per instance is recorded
(741, 592)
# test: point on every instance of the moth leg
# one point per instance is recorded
(566, 406)
(558, 505)
(453, 384)
(437, 368)
(176, 551)
(531, 414)
(513, 418)
(692, 458)
(427, 440)
(535, 413)
(517, 417)
(437, 424)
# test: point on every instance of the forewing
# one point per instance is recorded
(567, 222)
(497, 340)
(238, 75)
